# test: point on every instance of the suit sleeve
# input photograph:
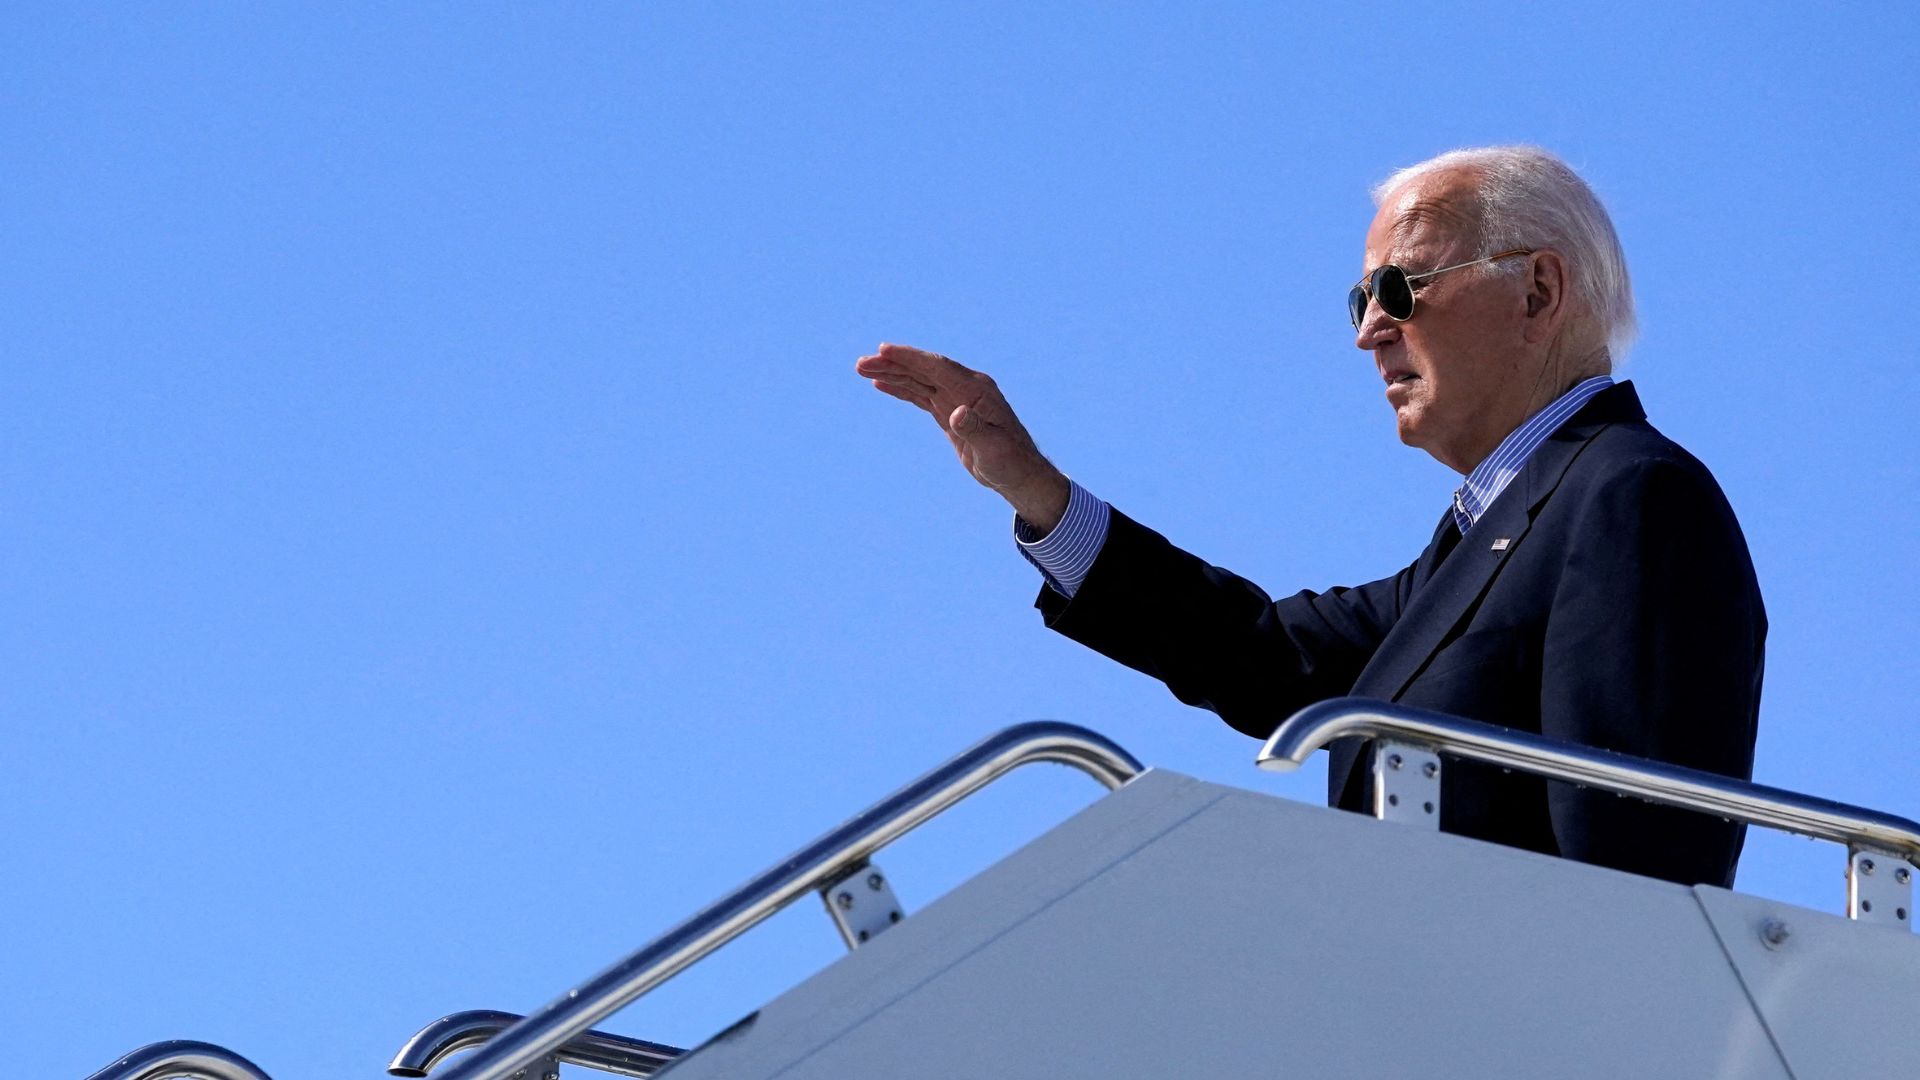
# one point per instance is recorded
(1654, 647)
(1215, 639)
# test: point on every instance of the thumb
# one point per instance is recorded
(964, 420)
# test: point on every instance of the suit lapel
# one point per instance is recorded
(1457, 586)
(1423, 567)
(1444, 596)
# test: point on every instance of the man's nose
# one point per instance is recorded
(1375, 329)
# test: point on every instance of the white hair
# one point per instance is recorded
(1529, 198)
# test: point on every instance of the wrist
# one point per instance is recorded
(1042, 504)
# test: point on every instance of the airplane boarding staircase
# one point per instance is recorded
(1180, 928)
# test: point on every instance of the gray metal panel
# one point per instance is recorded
(1177, 927)
(1841, 998)
(976, 913)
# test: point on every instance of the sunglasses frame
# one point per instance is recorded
(1370, 285)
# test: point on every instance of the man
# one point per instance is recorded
(1589, 581)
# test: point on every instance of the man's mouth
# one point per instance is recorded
(1395, 378)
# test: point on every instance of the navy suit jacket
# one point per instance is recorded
(1621, 612)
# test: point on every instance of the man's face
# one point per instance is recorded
(1458, 369)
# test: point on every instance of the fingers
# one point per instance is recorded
(875, 367)
(899, 384)
(964, 401)
(926, 366)
(901, 391)
(904, 381)
(993, 445)
(912, 391)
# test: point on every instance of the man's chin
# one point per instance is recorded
(1406, 422)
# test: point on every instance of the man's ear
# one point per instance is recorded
(1547, 299)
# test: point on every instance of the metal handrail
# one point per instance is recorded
(181, 1058)
(1315, 726)
(600, 1050)
(567, 1016)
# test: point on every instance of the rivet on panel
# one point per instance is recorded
(1774, 933)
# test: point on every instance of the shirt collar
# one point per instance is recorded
(1489, 478)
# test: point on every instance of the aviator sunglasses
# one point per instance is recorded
(1392, 288)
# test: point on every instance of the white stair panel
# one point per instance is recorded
(1179, 928)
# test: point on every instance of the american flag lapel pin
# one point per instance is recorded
(1501, 543)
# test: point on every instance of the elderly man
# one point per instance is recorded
(1587, 582)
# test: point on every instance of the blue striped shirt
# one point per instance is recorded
(1066, 554)
(1491, 477)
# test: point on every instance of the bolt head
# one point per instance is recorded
(1774, 933)
(1393, 761)
(874, 881)
(1902, 876)
(1431, 770)
(1866, 866)
(845, 900)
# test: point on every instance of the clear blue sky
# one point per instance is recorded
(445, 542)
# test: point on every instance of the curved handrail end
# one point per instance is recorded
(434, 1044)
(1299, 735)
(1731, 798)
(181, 1058)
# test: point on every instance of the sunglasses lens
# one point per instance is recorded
(1357, 305)
(1392, 292)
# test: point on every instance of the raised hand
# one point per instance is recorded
(991, 442)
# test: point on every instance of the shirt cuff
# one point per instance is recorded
(1066, 554)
